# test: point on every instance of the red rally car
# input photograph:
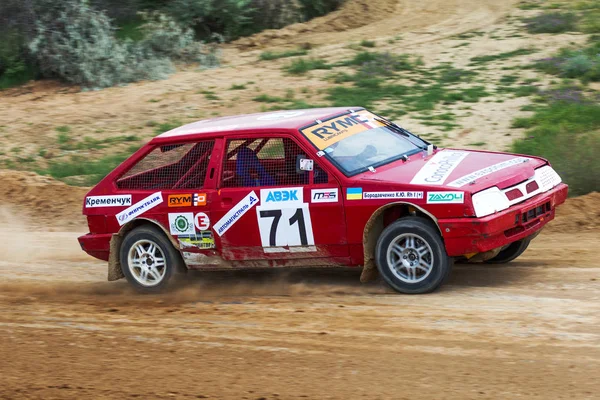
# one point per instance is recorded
(318, 187)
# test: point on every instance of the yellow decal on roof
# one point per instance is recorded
(332, 131)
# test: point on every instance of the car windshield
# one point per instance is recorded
(370, 148)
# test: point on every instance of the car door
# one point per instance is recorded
(264, 207)
(188, 203)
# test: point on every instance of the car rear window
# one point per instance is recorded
(170, 167)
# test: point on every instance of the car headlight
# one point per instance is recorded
(489, 201)
(547, 178)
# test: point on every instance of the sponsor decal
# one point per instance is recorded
(445, 197)
(283, 225)
(201, 221)
(203, 240)
(324, 134)
(233, 215)
(392, 195)
(324, 195)
(179, 200)
(487, 171)
(354, 194)
(139, 208)
(287, 195)
(439, 167)
(182, 224)
(108, 201)
(199, 199)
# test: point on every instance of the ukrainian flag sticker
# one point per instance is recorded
(354, 194)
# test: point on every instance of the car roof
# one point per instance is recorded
(266, 121)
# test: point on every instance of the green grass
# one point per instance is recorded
(265, 98)
(477, 144)
(129, 29)
(17, 75)
(91, 171)
(552, 22)
(167, 126)
(274, 55)
(501, 56)
(237, 87)
(303, 65)
(368, 43)
(568, 135)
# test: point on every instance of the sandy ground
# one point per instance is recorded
(528, 330)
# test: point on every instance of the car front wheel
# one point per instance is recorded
(148, 259)
(411, 256)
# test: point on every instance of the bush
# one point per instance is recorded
(76, 43)
(574, 63)
(553, 22)
(567, 133)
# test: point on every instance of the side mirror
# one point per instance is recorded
(303, 163)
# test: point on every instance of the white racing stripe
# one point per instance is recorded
(462, 181)
(439, 167)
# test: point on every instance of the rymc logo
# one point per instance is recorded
(445, 197)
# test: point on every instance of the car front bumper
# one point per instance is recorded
(464, 236)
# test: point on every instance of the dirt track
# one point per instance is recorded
(530, 330)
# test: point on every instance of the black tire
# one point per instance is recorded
(144, 236)
(513, 251)
(424, 233)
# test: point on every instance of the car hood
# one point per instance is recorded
(470, 171)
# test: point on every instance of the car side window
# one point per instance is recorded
(181, 166)
(262, 162)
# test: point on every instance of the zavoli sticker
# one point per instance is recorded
(233, 215)
(392, 195)
(462, 181)
(139, 208)
(324, 195)
(182, 224)
(324, 134)
(179, 200)
(108, 201)
(445, 197)
(439, 167)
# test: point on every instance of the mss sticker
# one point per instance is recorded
(324, 195)
(292, 195)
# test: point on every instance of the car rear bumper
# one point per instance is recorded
(476, 235)
(96, 245)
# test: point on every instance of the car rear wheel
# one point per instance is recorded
(513, 251)
(411, 256)
(148, 259)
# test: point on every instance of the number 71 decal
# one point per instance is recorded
(289, 226)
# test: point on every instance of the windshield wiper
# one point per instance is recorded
(398, 129)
